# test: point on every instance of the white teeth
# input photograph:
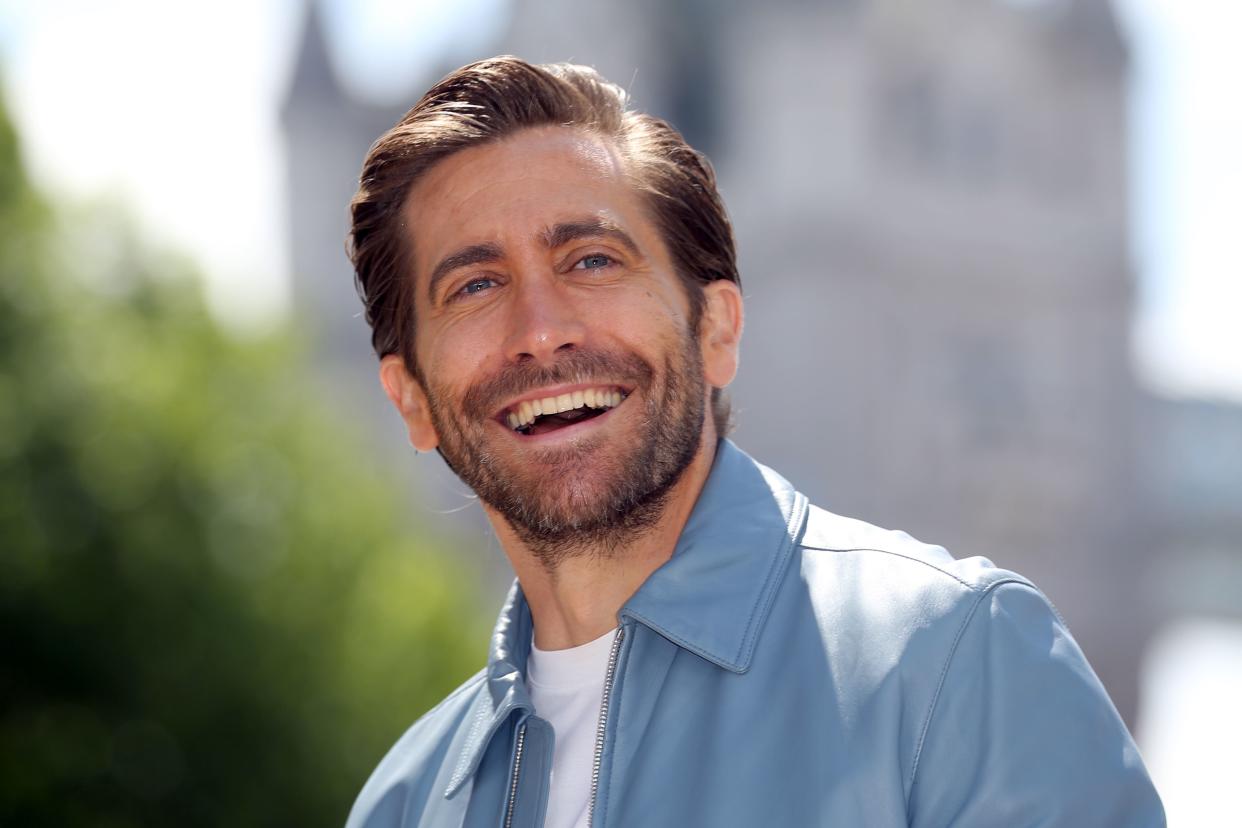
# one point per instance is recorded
(524, 413)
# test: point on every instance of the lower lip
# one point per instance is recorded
(567, 432)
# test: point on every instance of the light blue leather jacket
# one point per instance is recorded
(789, 667)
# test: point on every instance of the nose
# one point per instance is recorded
(543, 320)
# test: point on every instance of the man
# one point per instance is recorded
(554, 297)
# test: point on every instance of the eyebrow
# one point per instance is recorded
(472, 255)
(554, 237)
(566, 232)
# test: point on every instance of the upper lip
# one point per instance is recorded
(556, 391)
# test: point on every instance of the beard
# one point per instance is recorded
(596, 494)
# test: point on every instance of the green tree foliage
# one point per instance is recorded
(209, 614)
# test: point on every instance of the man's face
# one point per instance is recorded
(541, 284)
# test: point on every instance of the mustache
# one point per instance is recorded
(484, 398)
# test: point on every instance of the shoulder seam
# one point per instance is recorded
(944, 670)
(911, 558)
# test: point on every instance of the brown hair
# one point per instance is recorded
(494, 98)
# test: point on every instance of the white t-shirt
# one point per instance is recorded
(567, 687)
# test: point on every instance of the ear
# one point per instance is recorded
(720, 331)
(407, 394)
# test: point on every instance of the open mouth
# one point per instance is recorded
(532, 417)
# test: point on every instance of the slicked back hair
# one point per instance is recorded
(490, 100)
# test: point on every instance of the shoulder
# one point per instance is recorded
(903, 611)
(1008, 722)
(895, 606)
(842, 558)
(407, 776)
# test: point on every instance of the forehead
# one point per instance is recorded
(510, 190)
(529, 152)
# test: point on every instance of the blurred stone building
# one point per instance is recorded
(931, 206)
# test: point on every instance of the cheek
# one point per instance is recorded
(454, 352)
(648, 314)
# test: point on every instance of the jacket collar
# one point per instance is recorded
(711, 597)
(505, 685)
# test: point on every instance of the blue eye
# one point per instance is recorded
(475, 286)
(593, 262)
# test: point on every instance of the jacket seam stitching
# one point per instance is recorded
(911, 558)
(944, 672)
(768, 593)
(460, 773)
(679, 640)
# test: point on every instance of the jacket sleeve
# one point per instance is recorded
(1021, 732)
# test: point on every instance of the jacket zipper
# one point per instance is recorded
(517, 768)
(603, 722)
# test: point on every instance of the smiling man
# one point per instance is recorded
(552, 287)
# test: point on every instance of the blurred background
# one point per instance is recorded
(993, 282)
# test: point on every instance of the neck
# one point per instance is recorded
(578, 600)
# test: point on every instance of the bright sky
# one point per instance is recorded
(1191, 722)
(1187, 175)
(174, 107)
